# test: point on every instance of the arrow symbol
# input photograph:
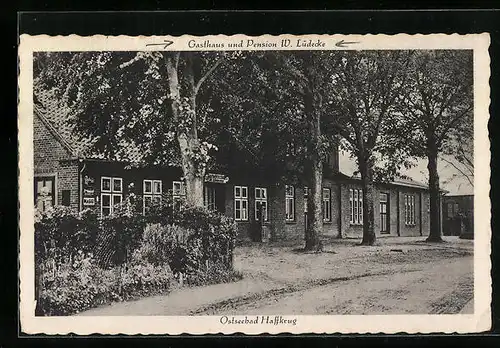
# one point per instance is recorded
(343, 43)
(165, 43)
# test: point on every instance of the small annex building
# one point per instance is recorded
(66, 172)
(458, 215)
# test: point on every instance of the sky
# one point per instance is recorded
(457, 185)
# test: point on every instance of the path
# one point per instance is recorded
(395, 277)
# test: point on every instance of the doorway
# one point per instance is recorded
(384, 213)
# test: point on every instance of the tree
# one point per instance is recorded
(459, 154)
(363, 105)
(279, 124)
(149, 100)
(438, 104)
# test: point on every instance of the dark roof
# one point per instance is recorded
(336, 175)
(56, 114)
(410, 182)
(400, 182)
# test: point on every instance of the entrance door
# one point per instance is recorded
(214, 197)
(210, 198)
(384, 213)
(45, 192)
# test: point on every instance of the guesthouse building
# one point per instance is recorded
(67, 172)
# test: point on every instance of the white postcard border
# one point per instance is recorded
(174, 325)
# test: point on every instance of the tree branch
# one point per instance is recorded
(176, 60)
(207, 74)
(441, 136)
(130, 62)
(467, 176)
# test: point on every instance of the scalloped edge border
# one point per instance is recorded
(312, 324)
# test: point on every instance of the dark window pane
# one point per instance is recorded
(106, 184)
(66, 197)
(106, 200)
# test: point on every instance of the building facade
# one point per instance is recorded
(65, 175)
(458, 215)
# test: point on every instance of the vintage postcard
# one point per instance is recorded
(270, 184)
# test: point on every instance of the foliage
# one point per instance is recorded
(74, 287)
(83, 285)
(438, 103)
(194, 239)
(145, 279)
(214, 275)
(150, 101)
(438, 100)
(130, 257)
(364, 105)
(123, 230)
(60, 233)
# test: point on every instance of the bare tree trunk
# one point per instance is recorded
(366, 169)
(276, 212)
(434, 193)
(314, 201)
(314, 209)
(187, 138)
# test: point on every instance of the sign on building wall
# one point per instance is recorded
(216, 178)
(88, 201)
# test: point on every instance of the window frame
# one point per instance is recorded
(261, 200)
(243, 203)
(111, 194)
(356, 206)
(151, 195)
(46, 177)
(210, 192)
(289, 203)
(327, 202)
(410, 210)
(178, 196)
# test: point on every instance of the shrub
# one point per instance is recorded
(145, 280)
(74, 287)
(83, 285)
(213, 275)
(60, 233)
(197, 239)
(120, 234)
(83, 261)
(214, 235)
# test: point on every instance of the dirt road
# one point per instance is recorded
(400, 276)
(444, 288)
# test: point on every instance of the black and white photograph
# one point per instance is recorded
(252, 184)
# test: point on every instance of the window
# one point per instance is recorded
(45, 195)
(209, 200)
(241, 203)
(66, 197)
(409, 210)
(356, 206)
(151, 194)
(289, 203)
(450, 210)
(111, 194)
(306, 194)
(327, 205)
(178, 194)
(261, 200)
(384, 200)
